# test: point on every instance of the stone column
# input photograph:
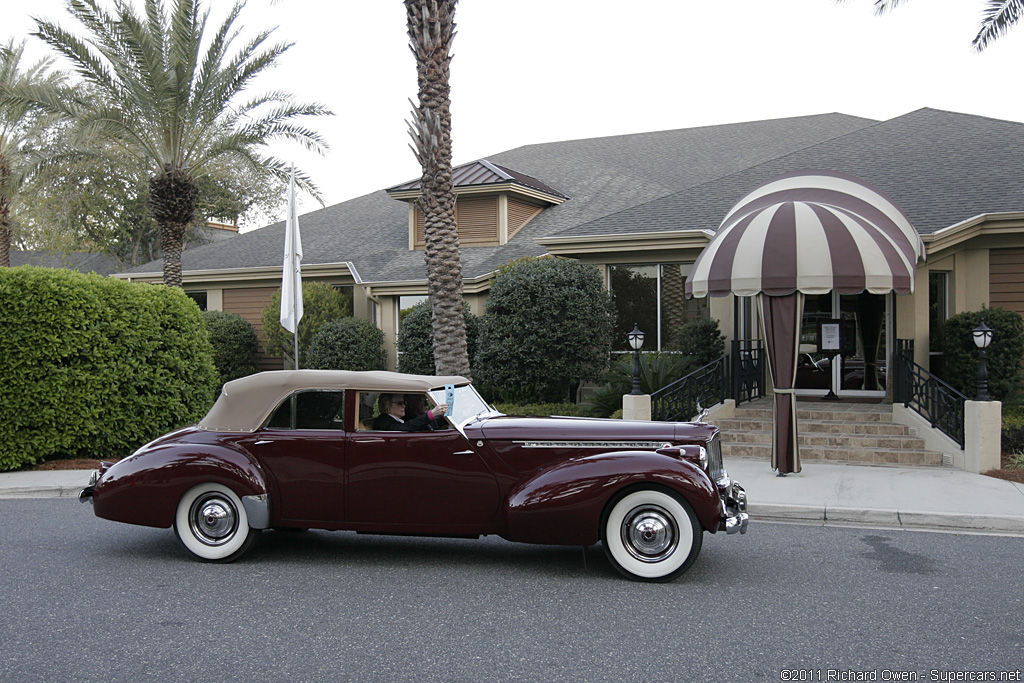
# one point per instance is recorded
(983, 431)
(636, 407)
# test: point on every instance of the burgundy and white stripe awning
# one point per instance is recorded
(812, 232)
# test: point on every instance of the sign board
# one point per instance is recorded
(837, 337)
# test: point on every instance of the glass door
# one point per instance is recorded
(862, 370)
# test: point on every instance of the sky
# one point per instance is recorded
(531, 71)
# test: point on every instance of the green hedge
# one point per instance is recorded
(234, 344)
(95, 367)
(1003, 356)
(416, 339)
(547, 327)
(1013, 428)
(539, 409)
(347, 344)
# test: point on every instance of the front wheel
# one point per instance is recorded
(211, 522)
(651, 535)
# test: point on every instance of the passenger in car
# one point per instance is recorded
(392, 415)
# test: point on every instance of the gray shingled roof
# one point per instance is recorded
(939, 167)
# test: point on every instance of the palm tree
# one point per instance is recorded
(22, 127)
(997, 18)
(173, 103)
(431, 25)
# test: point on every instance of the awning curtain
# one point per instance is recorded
(808, 232)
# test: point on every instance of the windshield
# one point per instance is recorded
(466, 404)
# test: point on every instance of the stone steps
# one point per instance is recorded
(856, 433)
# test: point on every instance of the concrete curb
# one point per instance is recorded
(911, 520)
(41, 492)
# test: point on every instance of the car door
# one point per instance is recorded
(430, 481)
(303, 447)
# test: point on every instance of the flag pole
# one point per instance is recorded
(291, 274)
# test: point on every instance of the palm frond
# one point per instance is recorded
(996, 19)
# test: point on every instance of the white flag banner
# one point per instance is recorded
(291, 277)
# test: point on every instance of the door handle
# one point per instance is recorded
(464, 453)
(263, 442)
(369, 440)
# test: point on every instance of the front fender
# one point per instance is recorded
(145, 487)
(563, 505)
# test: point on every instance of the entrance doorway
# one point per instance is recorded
(862, 369)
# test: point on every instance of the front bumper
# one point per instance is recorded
(734, 517)
(85, 495)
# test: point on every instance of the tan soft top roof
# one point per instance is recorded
(246, 403)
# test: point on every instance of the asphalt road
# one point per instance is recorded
(85, 599)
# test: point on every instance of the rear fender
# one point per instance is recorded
(145, 488)
(563, 505)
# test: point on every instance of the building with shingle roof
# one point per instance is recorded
(641, 207)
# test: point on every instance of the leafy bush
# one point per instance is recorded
(1013, 429)
(1003, 356)
(416, 339)
(657, 370)
(347, 344)
(539, 409)
(95, 367)
(701, 340)
(234, 344)
(548, 327)
(321, 304)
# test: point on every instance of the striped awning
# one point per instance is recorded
(812, 232)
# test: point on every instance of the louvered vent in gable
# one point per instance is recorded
(476, 218)
(520, 213)
(493, 203)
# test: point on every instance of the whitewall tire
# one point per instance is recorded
(651, 535)
(211, 522)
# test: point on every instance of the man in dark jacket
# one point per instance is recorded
(392, 415)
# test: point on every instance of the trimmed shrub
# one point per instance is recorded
(95, 367)
(548, 327)
(347, 344)
(701, 340)
(539, 409)
(1003, 356)
(321, 304)
(234, 344)
(1013, 429)
(416, 339)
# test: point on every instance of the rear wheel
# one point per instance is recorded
(651, 535)
(211, 522)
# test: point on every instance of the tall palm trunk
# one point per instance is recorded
(431, 26)
(5, 215)
(172, 201)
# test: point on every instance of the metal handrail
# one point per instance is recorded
(934, 400)
(739, 375)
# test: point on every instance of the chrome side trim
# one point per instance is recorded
(603, 445)
(257, 509)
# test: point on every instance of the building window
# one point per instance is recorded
(938, 313)
(651, 297)
(199, 298)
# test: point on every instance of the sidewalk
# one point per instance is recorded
(934, 498)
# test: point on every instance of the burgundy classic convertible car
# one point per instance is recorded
(298, 449)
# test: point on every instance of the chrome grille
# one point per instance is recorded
(715, 467)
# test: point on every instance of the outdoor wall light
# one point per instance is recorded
(636, 342)
(982, 335)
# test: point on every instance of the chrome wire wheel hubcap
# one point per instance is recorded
(649, 533)
(212, 519)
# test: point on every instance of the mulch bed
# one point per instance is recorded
(1006, 473)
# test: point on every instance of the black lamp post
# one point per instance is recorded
(982, 335)
(636, 342)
